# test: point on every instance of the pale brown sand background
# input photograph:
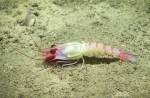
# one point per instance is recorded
(123, 24)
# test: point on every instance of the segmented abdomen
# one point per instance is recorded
(98, 49)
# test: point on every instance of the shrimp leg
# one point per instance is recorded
(62, 68)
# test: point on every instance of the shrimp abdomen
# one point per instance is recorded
(98, 49)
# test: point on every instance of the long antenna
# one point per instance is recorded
(29, 33)
(33, 41)
(24, 53)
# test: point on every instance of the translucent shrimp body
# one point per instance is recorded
(76, 50)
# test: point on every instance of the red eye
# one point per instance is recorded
(53, 51)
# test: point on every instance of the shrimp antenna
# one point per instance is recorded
(33, 41)
(29, 32)
(24, 53)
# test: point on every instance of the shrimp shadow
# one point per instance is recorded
(94, 60)
(88, 60)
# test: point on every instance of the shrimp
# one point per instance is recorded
(76, 50)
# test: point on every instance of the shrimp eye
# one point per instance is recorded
(53, 51)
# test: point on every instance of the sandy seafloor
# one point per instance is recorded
(123, 24)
